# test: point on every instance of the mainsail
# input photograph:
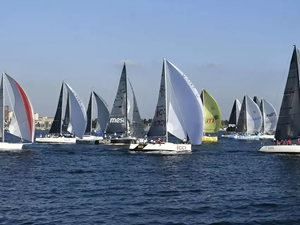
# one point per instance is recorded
(89, 115)
(234, 116)
(118, 117)
(269, 116)
(56, 127)
(137, 125)
(158, 125)
(288, 125)
(212, 113)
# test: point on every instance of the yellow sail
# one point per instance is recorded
(212, 113)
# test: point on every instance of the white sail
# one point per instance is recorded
(137, 125)
(78, 117)
(102, 111)
(269, 117)
(254, 117)
(187, 98)
(238, 110)
(22, 124)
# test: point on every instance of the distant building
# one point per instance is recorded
(43, 123)
(36, 116)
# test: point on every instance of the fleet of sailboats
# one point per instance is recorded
(182, 116)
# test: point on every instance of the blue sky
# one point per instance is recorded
(228, 47)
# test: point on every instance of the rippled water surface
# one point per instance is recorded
(229, 182)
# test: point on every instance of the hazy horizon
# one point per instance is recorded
(229, 48)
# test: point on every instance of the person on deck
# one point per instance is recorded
(289, 142)
(283, 142)
(298, 142)
(277, 142)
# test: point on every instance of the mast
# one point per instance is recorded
(61, 113)
(2, 107)
(126, 131)
(246, 117)
(91, 113)
(166, 100)
(263, 116)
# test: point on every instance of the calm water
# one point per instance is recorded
(225, 183)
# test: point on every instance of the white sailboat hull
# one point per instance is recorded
(89, 138)
(241, 137)
(10, 146)
(266, 136)
(148, 147)
(56, 140)
(291, 149)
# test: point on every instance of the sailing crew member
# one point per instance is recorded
(283, 142)
(298, 141)
(277, 142)
(289, 142)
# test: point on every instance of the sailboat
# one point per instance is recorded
(173, 114)
(212, 116)
(288, 125)
(22, 123)
(250, 120)
(102, 118)
(74, 114)
(233, 120)
(118, 126)
(269, 120)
